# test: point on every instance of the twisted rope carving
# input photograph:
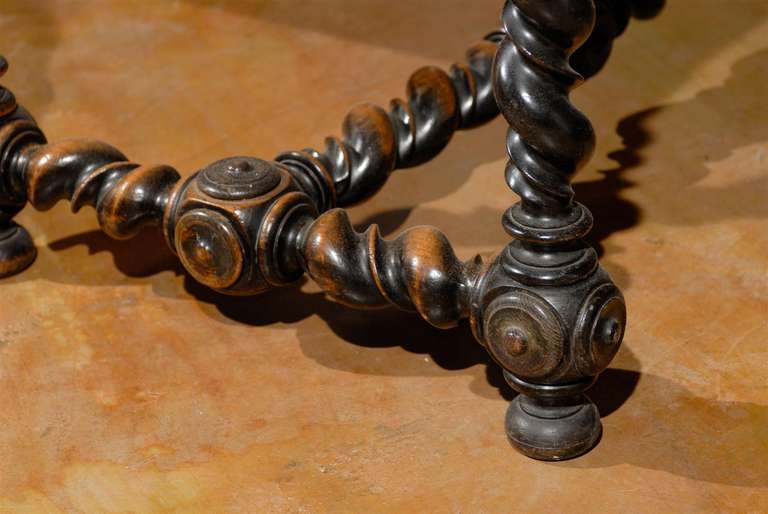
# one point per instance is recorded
(540, 55)
(416, 271)
(126, 195)
(612, 18)
(548, 138)
(375, 142)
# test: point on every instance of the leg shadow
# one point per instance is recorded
(145, 255)
(363, 341)
(664, 426)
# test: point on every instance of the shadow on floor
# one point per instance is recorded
(669, 428)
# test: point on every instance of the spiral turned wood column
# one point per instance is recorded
(375, 142)
(417, 271)
(547, 312)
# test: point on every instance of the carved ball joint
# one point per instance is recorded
(553, 334)
(231, 225)
(552, 342)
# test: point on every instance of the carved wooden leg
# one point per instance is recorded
(17, 251)
(550, 315)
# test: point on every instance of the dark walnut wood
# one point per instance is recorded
(17, 129)
(549, 315)
(543, 308)
(417, 271)
(375, 142)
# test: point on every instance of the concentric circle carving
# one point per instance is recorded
(210, 248)
(524, 333)
(237, 178)
(599, 329)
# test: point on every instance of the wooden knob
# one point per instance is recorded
(210, 248)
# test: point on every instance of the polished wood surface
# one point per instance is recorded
(130, 388)
(552, 317)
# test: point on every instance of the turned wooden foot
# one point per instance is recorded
(552, 422)
(17, 250)
(552, 342)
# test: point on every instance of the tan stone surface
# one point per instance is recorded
(124, 387)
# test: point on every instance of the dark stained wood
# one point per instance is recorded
(418, 270)
(126, 195)
(375, 142)
(17, 250)
(550, 315)
(544, 309)
(233, 222)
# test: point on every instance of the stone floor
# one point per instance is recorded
(125, 387)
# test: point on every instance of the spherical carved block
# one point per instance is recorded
(549, 334)
(552, 342)
(232, 225)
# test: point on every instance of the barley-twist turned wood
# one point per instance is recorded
(544, 309)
